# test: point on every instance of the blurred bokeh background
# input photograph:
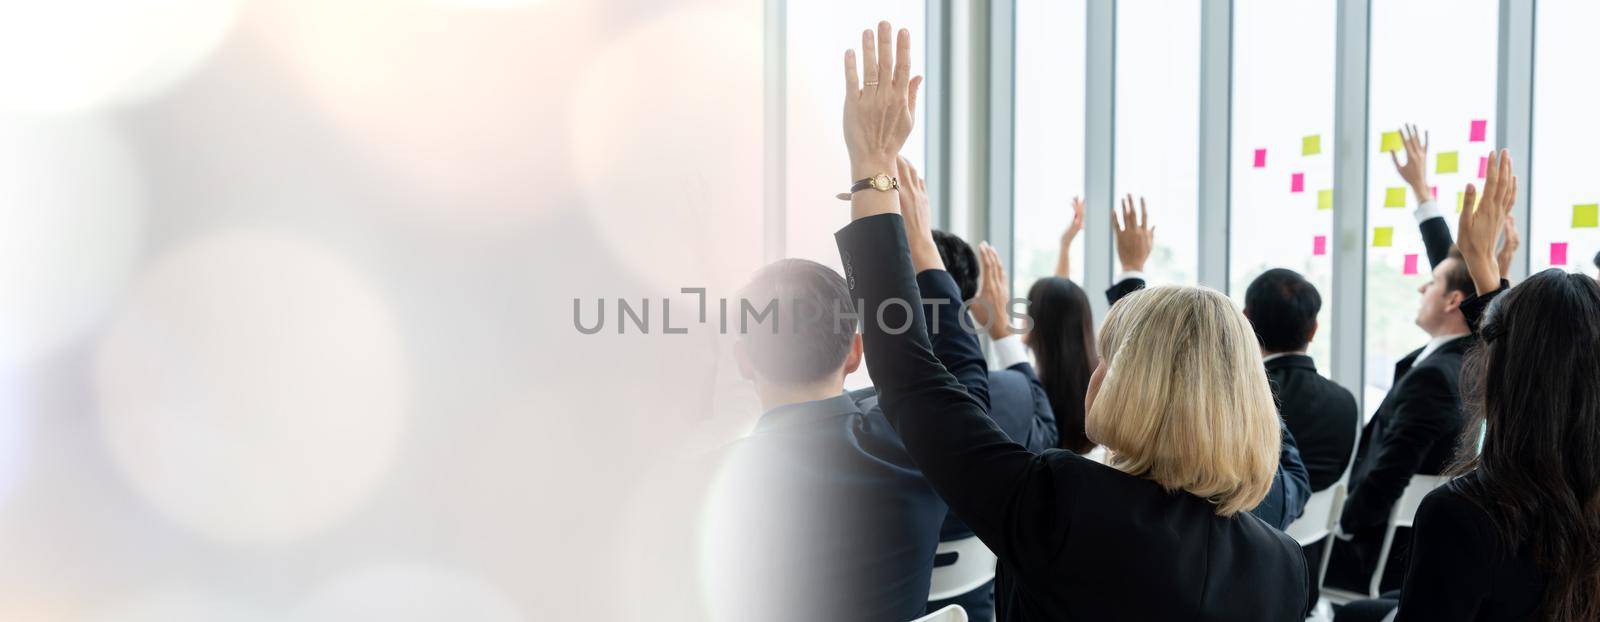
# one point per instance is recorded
(288, 322)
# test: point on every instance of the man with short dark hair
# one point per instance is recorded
(1282, 307)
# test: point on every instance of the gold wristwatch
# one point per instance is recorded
(880, 182)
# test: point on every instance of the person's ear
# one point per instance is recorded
(740, 354)
(1312, 334)
(852, 361)
(1453, 300)
(1247, 315)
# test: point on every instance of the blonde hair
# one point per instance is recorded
(1184, 399)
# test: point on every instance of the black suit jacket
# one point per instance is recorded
(1321, 414)
(1077, 540)
(824, 515)
(1291, 485)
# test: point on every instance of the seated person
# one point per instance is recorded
(820, 514)
(1291, 486)
(1062, 340)
(1162, 533)
(1282, 307)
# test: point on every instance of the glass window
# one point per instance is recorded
(1281, 164)
(1565, 191)
(1049, 136)
(819, 33)
(1158, 126)
(1448, 91)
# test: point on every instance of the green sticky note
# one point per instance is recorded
(1391, 142)
(1383, 237)
(1324, 199)
(1311, 145)
(1394, 197)
(1586, 216)
(1449, 162)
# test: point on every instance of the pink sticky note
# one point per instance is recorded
(1483, 167)
(1480, 130)
(1558, 253)
(1319, 245)
(1411, 264)
(1261, 158)
(1297, 183)
(1435, 191)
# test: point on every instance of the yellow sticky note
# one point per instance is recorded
(1449, 162)
(1324, 199)
(1311, 145)
(1391, 142)
(1383, 237)
(1586, 216)
(1394, 197)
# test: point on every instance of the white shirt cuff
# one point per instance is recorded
(1428, 209)
(1010, 351)
(1130, 274)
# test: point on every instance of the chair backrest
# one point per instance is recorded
(1405, 510)
(1324, 507)
(952, 613)
(973, 567)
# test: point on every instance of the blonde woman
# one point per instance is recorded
(1180, 398)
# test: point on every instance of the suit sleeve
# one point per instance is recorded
(1474, 307)
(1044, 417)
(1122, 289)
(1425, 414)
(1436, 238)
(956, 348)
(1451, 560)
(1296, 480)
(1005, 493)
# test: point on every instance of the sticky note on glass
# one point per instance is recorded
(1585, 216)
(1449, 162)
(1394, 197)
(1311, 145)
(1558, 253)
(1324, 199)
(1319, 245)
(1434, 190)
(1480, 130)
(1383, 237)
(1261, 158)
(1411, 264)
(1391, 142)
(1297, 182)
(1483, 167)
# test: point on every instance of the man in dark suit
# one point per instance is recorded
(1291, 487)
(1415, 428)
(1282, 307)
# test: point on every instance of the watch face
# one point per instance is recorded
(882, 182)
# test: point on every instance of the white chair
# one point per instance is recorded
(1404, 514)
(952, 613)
(1322, 512)
(973, 567)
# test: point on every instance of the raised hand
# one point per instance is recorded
(1135, 236)
(878, 111)
(1509, 241)
(993, 299)
(1415, 169)
(1479, 227)
(1064, 261)
(919, 225)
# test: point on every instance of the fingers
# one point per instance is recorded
(1144, 214)
(1427, 140)
(885, 51)
(1396, 160)
(911, 96)
(902, 59)
(852, 81)
(869, 59)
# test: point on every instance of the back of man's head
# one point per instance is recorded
(797, 322)
(1282, 307)
(1597, 260)
(960, 261)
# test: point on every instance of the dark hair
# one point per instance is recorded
(1534, 385)
(804, 339)
(960, 261)
(1458, 278)
(1283, 307)
(1062, 340)
(1597, 260)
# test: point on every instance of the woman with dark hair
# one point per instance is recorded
(1062, 341)
(1517, 535)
